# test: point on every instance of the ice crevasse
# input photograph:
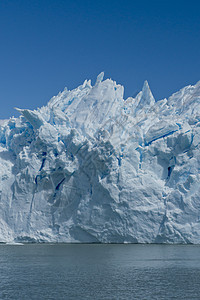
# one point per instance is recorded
(93, 167)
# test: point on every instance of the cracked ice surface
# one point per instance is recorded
(93, 167)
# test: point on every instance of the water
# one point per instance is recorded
(99, 272)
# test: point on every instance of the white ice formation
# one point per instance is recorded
(93, 167)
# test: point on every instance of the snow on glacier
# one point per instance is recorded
(93, 167)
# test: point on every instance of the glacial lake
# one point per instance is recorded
(92, 271)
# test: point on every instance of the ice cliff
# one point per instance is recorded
(93, 167)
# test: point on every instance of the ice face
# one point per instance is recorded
(93, 167)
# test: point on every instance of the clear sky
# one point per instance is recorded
(46, 45)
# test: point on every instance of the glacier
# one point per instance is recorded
(93, 167)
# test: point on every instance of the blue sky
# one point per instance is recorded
(46, 45)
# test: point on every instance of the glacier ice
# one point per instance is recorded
(93, 167)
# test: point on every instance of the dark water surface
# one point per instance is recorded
(99, 272)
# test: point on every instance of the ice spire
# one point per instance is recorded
(147, 98)
(99, 78)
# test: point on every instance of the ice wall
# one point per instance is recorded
(93, 167)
